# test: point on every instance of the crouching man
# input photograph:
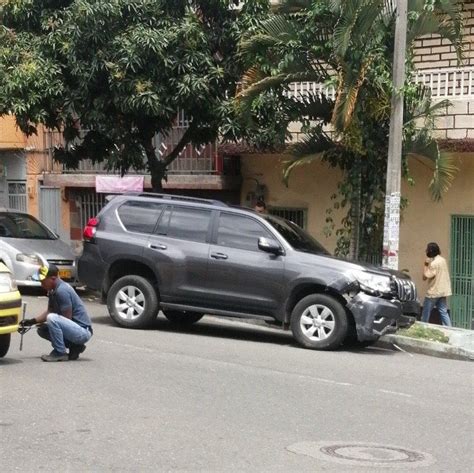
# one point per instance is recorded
(65, 323)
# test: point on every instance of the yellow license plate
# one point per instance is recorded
(65, 274)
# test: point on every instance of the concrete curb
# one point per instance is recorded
(425, 347)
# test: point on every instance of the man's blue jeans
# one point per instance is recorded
(440, 304)
(63, 332)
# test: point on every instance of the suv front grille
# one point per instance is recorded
(405, 289)
(9, 320)
(61, 262)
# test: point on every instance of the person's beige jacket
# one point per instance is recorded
(437, 274)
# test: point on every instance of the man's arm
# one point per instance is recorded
(65, 304)
(429, 271)
(39, 319)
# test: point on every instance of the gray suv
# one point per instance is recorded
(191, 257)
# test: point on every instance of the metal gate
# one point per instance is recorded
(90, 204)
(50, 208)
(462, 271)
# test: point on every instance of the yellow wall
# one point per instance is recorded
(311, 186)
(10, 136)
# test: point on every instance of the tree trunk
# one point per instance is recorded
(355, 213)
(157, 168)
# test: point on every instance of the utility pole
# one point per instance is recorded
(391, 231)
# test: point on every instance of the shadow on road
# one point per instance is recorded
(234, 329)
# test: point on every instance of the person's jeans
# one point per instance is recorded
(63, 332)
(440, 304)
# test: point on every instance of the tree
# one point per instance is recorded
(349, 46)
(112, 74)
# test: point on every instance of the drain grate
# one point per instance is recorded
(363, 454)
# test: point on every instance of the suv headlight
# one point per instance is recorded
(29, 258)
(7, 283)
(373, 283)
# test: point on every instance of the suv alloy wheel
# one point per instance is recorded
(319, 321)
(132, 302)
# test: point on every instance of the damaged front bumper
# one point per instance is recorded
(375, 316)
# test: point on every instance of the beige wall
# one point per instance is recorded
(10, 136)
(311, 186)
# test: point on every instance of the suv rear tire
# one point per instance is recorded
(133, 302)
(319, 322)
(182, 318)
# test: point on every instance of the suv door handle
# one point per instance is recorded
(219, 256)
(158, 246)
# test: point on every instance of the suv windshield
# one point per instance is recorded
(296, 236)
(13, 225)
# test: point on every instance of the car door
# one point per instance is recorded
(241, 277)
(179, 249)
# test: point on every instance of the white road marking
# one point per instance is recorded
(386, 391)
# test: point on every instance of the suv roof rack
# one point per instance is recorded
(178, 197)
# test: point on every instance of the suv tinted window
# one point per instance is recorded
(140, 217)
(296, 236)
(187, 224)
(237, 231)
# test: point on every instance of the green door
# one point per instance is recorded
(462, 271)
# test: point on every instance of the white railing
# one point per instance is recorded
(451, 84)
(304, 89)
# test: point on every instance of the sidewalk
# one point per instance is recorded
(459, 347)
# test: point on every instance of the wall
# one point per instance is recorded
(311, 186)
(433, 52)
(10, 136)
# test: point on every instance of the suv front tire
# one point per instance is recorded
(319, 322)
(133, 302)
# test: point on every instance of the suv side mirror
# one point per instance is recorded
(269, 246)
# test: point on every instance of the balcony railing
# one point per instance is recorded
(451, 84)
(203, 160)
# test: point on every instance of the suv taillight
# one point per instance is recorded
(90, 229)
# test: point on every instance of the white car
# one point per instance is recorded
(26, 243)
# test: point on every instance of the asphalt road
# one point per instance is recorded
(227, 396)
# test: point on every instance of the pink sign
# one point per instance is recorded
(118, 185)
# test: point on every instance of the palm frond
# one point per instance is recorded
(444, 165)
(350, 82)
(310, 148)
(277, 30)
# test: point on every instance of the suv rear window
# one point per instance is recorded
(140, 217)
(185, 223)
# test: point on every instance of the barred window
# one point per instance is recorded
(17, 199)
(295, 215)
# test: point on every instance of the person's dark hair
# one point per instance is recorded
(432, 250)
(261, 203)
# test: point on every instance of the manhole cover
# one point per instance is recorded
(363, 454)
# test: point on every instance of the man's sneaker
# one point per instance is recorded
(75, 351)
(55, 356)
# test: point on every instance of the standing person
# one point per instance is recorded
(436, 273)
(260, 207)
(65, 323)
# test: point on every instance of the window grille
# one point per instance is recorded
(17, 197)
(295, 215)
(90, 204)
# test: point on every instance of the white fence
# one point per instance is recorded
(449, 83)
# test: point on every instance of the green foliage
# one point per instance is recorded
(424, 333)
(349, 44)
(122, 69)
